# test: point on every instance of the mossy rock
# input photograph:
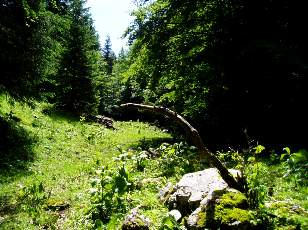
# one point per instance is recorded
(135, 221)
(233, 199)
(56, 205)
(227, 210)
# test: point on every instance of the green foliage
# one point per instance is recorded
(109, 56)
(33, 37)
(134, 178)
(108, 192)
(16, 144)
(223, 66)
(177, 158)
(32, 200)
(275, 186)
(295, 166)
(18, 25)
(169, 223)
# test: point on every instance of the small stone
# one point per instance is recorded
(176, 214)
(163, 193)
(135, 221)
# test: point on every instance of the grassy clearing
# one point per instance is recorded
(59, 172)
(49, 159)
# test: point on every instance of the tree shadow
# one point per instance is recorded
(61, 115)
(147, 143)
(15, 148)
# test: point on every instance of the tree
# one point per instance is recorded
(80, 64)
(108, 55)
(223, 65)
(18, 25)
(33, 35)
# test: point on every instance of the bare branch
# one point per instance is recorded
(196, 139)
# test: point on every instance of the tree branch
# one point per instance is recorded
(196, 139)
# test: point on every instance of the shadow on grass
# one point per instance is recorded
(61, 115)
(147, 143)
(15, 148)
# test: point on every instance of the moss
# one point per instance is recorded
(231, 208)
(233, 199)
(56, 204)
(201, 219)
(230, 215)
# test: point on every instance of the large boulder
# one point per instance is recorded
(194, 187)
(207, 201)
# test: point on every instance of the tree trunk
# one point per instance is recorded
(196, 140)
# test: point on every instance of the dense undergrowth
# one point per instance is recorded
(276, 187)
(60, 172)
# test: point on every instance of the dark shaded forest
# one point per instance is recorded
(230, 67)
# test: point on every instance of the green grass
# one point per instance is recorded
(145, 176)
(277, 185)
(49, 161)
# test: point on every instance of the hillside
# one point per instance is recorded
(50, 160)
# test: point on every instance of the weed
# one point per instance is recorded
(134, 178)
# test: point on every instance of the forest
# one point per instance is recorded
(199, 124)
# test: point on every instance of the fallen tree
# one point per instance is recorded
(196, 140)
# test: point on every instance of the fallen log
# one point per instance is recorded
(196, 140)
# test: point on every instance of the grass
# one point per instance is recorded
(46, 184)
(140, 184)
(277, 185)
(52, 173)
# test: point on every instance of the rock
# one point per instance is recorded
(195, 221)
(204, 200)
(224, 208)
(135, 221)
(194, 187)
(106, 121)
(239, 225)
(166, 191)
(176, 214)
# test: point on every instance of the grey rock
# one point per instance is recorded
(163, 193)
(194, 187)
(176, 214)
(136, 221)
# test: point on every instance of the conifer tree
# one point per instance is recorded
(18, 24)
(108, 55)
(79, 69)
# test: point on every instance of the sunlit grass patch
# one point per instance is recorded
(65, 150)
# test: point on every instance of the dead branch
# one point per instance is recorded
(196, 140)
